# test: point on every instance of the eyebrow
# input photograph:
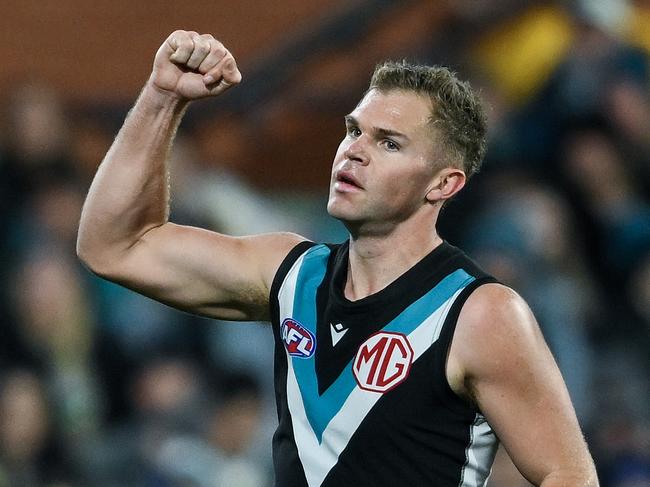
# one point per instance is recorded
(382, 132)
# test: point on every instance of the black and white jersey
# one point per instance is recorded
(361, 389)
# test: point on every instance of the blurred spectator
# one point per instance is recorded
(49, 218)
(621, 449)
(524, 236)
(219, 458)
(597, 173)
(639, 296)
(36, 143)
(168, 398)
(29, 453)
(56, 333)
(91, 136)
(637, 28)
(216, 194)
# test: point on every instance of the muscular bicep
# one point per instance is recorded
(203, 272)
(511, 375)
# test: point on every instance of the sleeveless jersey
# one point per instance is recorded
(361, 388)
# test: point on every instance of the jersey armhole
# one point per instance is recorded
(446, 337)
(282, 272)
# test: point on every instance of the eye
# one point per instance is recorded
(354, 131)
(390, 145)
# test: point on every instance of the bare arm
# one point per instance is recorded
(500, 361)
(124, 233)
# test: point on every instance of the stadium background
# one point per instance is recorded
(102, 387)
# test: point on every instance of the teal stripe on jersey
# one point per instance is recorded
(321, 409)
(416, 313)
(310, 276)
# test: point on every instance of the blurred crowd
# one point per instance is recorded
(101, 387)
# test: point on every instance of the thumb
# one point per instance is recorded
(225, 73)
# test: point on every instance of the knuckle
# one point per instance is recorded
(230, 63)
(219, 53)
(181, 38)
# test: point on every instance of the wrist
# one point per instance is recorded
(160, 99)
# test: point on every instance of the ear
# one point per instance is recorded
(446, 184)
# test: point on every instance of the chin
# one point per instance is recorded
(335, 210)
(332, 209)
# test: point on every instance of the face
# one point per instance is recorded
(383, 167)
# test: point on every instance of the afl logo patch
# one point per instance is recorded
(383, 361)
(298, 340)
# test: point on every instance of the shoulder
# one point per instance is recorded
(268, 251)
(277, 245)
(496, 335)
(493, 309)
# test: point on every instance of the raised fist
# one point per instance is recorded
(191, 66)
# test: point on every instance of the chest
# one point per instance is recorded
(369, 347)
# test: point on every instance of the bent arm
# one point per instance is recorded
(124, 233)
(130, 192)
(507, 370)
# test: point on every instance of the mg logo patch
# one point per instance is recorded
(298, 340)
(383, 361)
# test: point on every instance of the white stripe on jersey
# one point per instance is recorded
(319, 458)
(479, 454)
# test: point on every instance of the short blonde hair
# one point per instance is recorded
(457, 113)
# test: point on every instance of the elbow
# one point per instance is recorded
(88, 258)
(99, 265)
(93, 257)
(83, 252)
(85, 257)
(84, 249)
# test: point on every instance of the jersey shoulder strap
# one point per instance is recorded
(292, 258)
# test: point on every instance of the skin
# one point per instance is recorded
(391, 214)
(387, 186)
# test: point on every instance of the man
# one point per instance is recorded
(398, 362)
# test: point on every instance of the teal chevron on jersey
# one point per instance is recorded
(320, 409)
(413, 316)
(338, 426)
(310, 276)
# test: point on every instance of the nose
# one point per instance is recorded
(357, 151)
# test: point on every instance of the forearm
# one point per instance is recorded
(130, 192)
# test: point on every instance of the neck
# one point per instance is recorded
(377, 259)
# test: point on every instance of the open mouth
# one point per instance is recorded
(346, 180)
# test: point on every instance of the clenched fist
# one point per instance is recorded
(191, 66)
